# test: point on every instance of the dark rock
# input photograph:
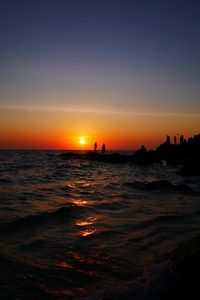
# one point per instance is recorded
(191, 166)
(185, 153)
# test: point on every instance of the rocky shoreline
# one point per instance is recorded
(186, 154)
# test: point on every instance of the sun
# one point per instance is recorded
(82, 140)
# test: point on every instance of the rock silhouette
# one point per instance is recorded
(186, 154)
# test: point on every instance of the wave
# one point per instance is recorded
(110, 205)
(5, 181)
(36, 220)
(167, 219)
(24, 167)
(159, 184)
(174, 275)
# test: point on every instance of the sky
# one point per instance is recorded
(119, 72)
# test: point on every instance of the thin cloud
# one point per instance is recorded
(98, 111)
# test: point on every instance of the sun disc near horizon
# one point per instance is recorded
(82, 140)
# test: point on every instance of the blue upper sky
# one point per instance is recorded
(140, 56)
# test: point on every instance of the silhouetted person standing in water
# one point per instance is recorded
(103, 148)
(95, 146)
(167, 140)
(181, 139)
(175, 140)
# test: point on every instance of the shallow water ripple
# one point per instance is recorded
(72, 228)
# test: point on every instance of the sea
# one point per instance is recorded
(82, 229)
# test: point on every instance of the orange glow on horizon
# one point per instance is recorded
(76, 131)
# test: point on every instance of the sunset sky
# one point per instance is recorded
(119, 72)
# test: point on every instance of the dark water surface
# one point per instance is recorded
(75, 229)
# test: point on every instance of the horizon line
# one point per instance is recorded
(25, 149)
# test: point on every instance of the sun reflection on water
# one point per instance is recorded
(72, 186)
(82, 202)
(83, 223)
(87, 222)
(88, 232)
(78, 184)
(64, 264)
(83, 183)
(54, 292)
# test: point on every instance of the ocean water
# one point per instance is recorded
(77, 229)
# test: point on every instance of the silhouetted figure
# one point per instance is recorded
(103, 148)
(187, 154)
(175, 140)
(178, 140)
(168, 140)
(196, 138)
(95, 146)
(181, 139)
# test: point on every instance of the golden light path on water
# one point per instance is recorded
(82, 202)
(85, 223)
(88, 222)
(88, 232)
